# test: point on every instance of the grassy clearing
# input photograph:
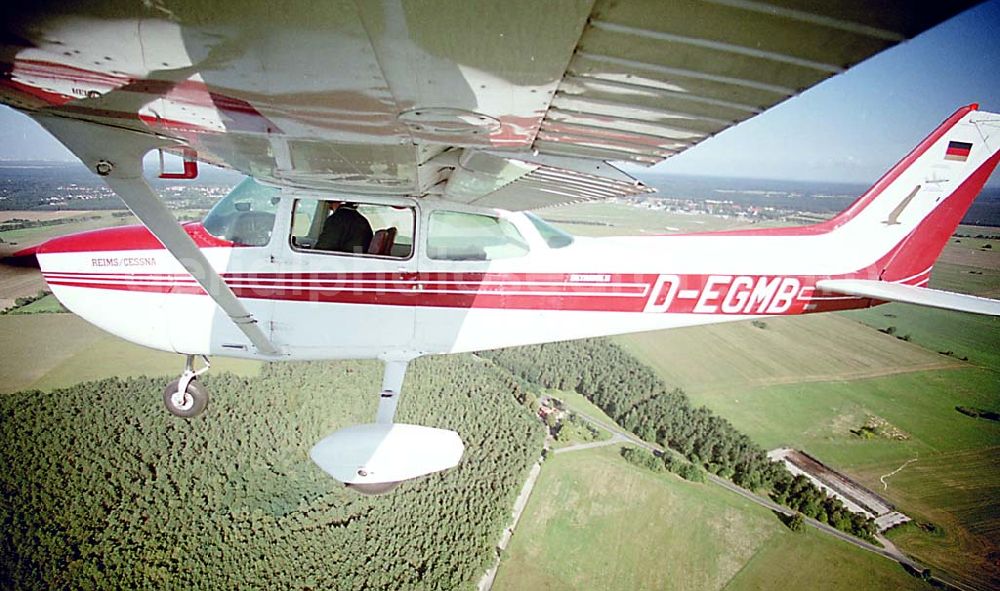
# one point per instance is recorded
(596, 522)
(734, 356)
(48, 351)
(578, 403)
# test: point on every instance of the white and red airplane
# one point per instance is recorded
(396, 152)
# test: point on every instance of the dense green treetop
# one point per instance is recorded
(102, 488)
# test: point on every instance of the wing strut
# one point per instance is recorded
(116, 154)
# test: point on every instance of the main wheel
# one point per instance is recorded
(191, 404)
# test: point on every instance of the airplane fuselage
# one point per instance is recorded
(339, 305)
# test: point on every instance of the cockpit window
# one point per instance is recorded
(456, 236)
(327, 226)
(245, 216)
(552, 236)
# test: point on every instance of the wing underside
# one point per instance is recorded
(500, 103)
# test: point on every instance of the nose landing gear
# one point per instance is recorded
(186, 397)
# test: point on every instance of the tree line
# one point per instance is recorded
(640, 402)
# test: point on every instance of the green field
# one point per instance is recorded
(819, 416)
(47, 351)
(617, 219)
(966, 278)
(811, 560)
(47, 304)
(580, 404)
(808, 381)
(957, 491)
(596, 522)
(733, 357)
(29, 236)
(966, 335)
(809, 387)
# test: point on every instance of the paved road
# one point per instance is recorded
(889, 551)
(615, 438)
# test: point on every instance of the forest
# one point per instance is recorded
(102, 488)
(631, 394)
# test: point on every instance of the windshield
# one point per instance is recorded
(245, 216)
(552, 236)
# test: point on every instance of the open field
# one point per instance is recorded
(974, 280)
(30, 236)
(33, 214)
(596, 522)
(970, 336)
(811, 560)
(47, 304)
(819, 417)
(776, 392)
(616, 219)
(16, 282)
(957, 491)
(724, 357)
(48, 351)
(808, 381)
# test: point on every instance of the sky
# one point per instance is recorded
(850, 128)
(855, 126)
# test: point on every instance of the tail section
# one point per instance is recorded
(910, 213)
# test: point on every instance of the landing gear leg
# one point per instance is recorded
(374, 458)
(186, 397)
(392, 387)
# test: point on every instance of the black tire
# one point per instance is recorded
(197, 399)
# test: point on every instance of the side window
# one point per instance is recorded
(329, 226)
(455, 236)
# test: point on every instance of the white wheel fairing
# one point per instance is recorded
(379, 453)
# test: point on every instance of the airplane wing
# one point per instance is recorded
(512, 104)
(911, 294)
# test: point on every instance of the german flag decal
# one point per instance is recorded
(958, 151)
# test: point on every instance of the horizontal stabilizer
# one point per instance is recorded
(922, 296)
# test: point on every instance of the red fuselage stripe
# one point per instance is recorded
(623, 293)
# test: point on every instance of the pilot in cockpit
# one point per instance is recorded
(345, 230)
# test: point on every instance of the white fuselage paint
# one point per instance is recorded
(327, 306)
